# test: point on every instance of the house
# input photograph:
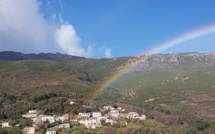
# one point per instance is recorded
(62, 126)
(32, 112)
(114, 113)
(102, 118)
(119, 108)
(37, 120)
(83, 115)
(132, 115)
(5, 124)
(51, 132)
(29, 130)
(111, 121)
(123, 115)
(51, 119)
(73, 120)
(96, 114)
(63, 118)
(123, 110)
(108, 107)
(29, 115)
(92, 123)
(142, 117)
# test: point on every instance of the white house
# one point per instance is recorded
(51, 132)
(29, 130)
(5, 124)
(121, 109)
(83, 115)
(132, 115)
(73, 120)
(114, 113)
(108, 107)
(32, 112)
(96, 114)
(29, 115)
(92, 123)
(66, 125)
(51, 119)
(109, 121)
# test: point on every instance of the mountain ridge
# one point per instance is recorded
(171, 57)
(11, 55)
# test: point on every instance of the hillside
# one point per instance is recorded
(176, 89)
(49, 82)
(173, 89)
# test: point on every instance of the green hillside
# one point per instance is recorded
(49, 85)
(173, 90)
(181, 95)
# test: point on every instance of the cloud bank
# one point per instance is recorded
(23, 28)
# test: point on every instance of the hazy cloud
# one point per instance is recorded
(108, 53)
(23, 28)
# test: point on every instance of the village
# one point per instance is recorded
(107, 115)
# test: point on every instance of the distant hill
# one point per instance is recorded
(10, 55)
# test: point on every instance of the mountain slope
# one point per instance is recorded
(32, 83)
(176, 89)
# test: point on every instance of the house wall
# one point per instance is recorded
(51, 132)
(5, 124)
(30, 130)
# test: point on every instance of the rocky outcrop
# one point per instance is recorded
(165, 61)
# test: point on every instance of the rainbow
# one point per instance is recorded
(161, 47)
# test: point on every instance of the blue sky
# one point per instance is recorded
(106, 28)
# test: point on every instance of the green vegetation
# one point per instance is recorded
(177, 97)
(181, 96)
(50, 85)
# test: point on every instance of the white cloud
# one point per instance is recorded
(68, 40)
(90, 52)
(108, 53)
(23, 28)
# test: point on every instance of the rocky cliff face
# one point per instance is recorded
(165, 61)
